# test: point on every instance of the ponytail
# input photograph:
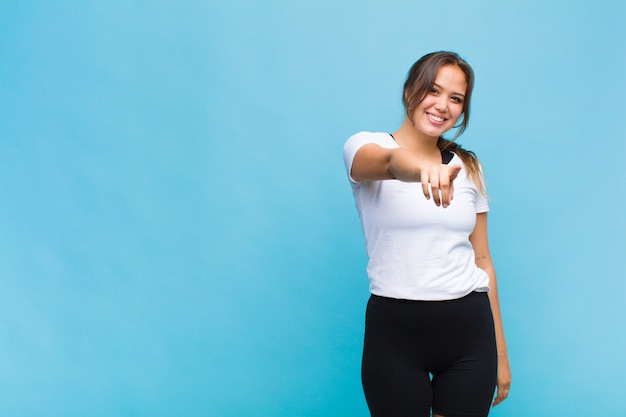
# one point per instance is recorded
(469, 159)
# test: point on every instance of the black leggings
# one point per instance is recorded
(407, 342)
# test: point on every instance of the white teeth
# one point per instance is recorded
(435, 118)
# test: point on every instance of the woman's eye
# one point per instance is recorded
(457, 100)
(433, 91)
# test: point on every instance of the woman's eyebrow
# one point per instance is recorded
(456, 94)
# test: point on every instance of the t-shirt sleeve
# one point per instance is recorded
(354, 143)
(482, 203)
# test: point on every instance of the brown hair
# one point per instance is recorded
(418, 83)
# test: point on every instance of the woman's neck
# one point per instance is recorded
(409, 138)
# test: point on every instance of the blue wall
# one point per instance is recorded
(177, 235)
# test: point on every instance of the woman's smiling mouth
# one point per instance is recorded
(435, 118)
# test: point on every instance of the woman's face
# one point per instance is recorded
(443, 105)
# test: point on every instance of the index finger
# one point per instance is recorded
(447, 183)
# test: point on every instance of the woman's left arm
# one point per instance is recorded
(478, 239)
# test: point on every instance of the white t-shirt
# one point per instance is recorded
(416, 250)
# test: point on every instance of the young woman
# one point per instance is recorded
(433, 333)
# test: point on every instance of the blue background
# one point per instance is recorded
(177, 234)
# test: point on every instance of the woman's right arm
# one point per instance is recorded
(373, 163)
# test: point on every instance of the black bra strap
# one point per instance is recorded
(446, 157)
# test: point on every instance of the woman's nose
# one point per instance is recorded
(441, 104)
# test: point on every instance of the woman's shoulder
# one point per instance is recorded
(380, 138)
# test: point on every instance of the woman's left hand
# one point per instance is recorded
(503, 381)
